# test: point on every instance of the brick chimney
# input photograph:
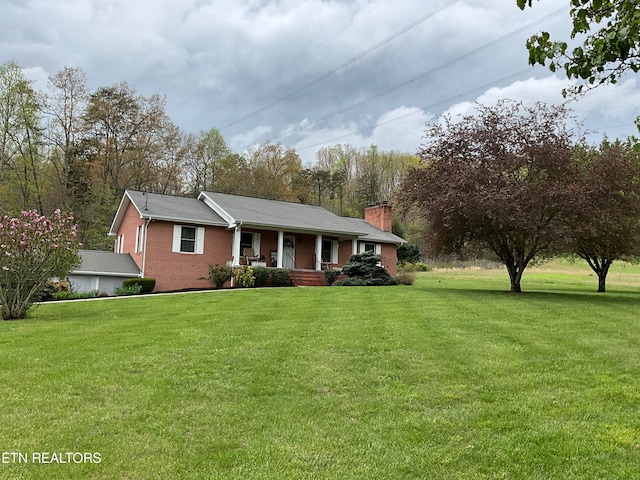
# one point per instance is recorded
(379, 215)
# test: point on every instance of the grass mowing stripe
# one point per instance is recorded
(451, 378)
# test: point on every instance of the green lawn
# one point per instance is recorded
(452, 378)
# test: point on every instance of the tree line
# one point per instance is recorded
(78, 150)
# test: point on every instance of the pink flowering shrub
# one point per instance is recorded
(33, 249)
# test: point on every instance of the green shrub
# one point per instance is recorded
(66, 295)
(128, 290)
(423, 267)
(366, 266)
(408, 253)
(261, 275)
(218, 275)
(146, 284)
(350, 282)
(50, 288)
(281, 277)
(332, 275)
(245, 277)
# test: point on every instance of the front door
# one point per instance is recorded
(289, 252)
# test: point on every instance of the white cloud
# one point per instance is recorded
(236, 64)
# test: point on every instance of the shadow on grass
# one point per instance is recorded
(613, 297)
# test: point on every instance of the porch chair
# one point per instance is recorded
(249, 255)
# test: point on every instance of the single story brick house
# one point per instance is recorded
(175, 239)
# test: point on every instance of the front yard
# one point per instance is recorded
(449, 379)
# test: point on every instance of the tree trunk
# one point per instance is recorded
(602, 282)
(601, 267)
(602, 276)
(515, 275)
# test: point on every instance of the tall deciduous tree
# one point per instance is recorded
(606, 225)
(499, 179)
(63, 107)
(273, 172)
(610, 42)
(20, 152)
(128, 142)
(204, 168)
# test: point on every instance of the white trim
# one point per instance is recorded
(177, 236)
(226, 216)
(318, 252)
(334, 251)
(120, 243)
(378, 249)
(256, 243)
(354, 246)
(235, 249)
(106, 274)
(140, 240)
(280, 248)
(177, 240)
(199, 240)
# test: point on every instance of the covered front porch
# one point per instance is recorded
(290, 250)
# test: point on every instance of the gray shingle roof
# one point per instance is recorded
(107, 263)
(278, 214)
(212, 208)
(169, 208)
(374, 234)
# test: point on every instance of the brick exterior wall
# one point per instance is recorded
(128, 228)
(176, 271)
(389, 258)
(345, 250)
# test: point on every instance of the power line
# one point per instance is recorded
(445, 65)
(423, 108)
(449, 63)
(343, 65)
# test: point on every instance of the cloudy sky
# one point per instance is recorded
(308, 73)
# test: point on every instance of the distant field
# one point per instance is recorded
(453, 378)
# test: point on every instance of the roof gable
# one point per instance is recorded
(170, 208)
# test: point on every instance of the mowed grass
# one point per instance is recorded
(452, 378)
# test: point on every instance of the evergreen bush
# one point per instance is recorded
(366, 267)
(146, 284)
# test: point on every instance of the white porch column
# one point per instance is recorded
(354, 246)
(236, 245)
(280, 248)
(318, 252)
